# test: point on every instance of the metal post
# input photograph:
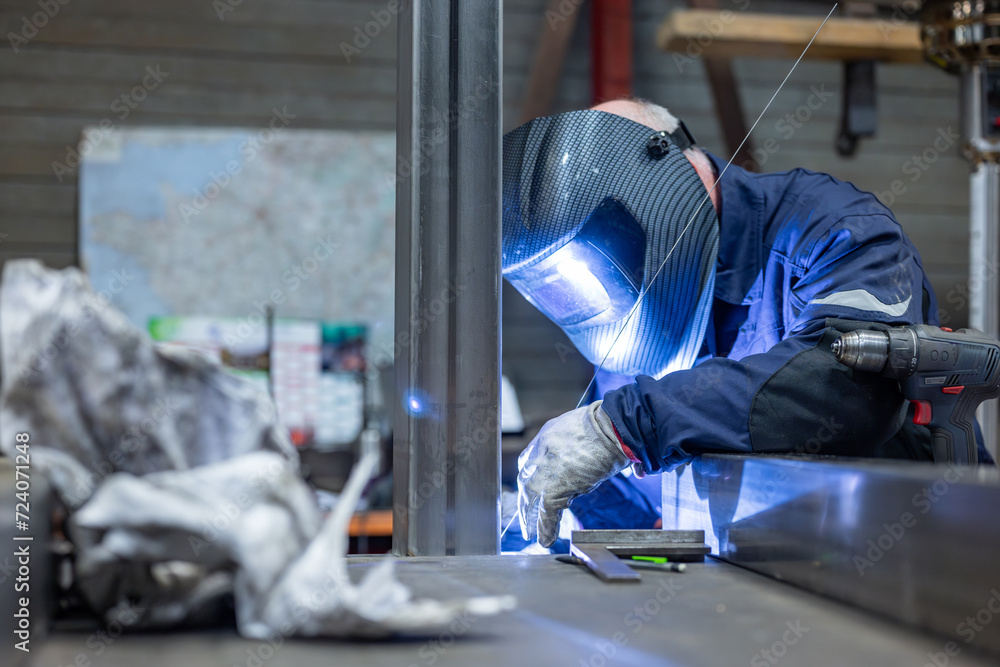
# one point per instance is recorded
(962, 39)
(446, 456)
(983, 152)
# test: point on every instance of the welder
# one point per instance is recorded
(707, 296)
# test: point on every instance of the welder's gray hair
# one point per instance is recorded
(659, 118)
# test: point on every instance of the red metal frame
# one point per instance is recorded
(610, 49)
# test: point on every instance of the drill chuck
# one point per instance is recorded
(946, 373)
(863, 350)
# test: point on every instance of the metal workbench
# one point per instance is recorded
(713, 614)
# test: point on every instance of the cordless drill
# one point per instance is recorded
(946, 374)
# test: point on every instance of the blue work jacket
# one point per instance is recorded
(796, 249)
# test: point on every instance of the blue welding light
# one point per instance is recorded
(595, 278)
(414, 403)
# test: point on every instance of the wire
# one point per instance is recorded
(507, 527)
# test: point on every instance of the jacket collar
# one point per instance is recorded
(740, 232)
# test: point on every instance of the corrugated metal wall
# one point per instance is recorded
(229, 62)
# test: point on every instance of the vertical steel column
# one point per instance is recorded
(964, 38)
(446, 455)
(983, 153)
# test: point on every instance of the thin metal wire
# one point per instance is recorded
(708, 196)
(508, 525)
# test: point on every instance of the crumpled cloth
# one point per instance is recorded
(181, 485)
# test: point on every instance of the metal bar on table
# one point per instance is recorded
(447, 438)
(914, 541)
(604, 564)
(638, 536)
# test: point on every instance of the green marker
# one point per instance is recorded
(657, 563)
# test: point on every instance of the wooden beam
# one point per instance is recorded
(553, 43)
(728, 107)
(731, 35)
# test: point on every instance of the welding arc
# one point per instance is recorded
(708, 196)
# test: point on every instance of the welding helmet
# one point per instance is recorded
(592, 205)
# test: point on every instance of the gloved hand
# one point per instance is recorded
(569, 457)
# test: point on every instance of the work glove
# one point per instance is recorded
(569, 457)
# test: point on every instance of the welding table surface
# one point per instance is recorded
(713, 614)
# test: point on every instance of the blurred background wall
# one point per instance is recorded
(231, 62)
